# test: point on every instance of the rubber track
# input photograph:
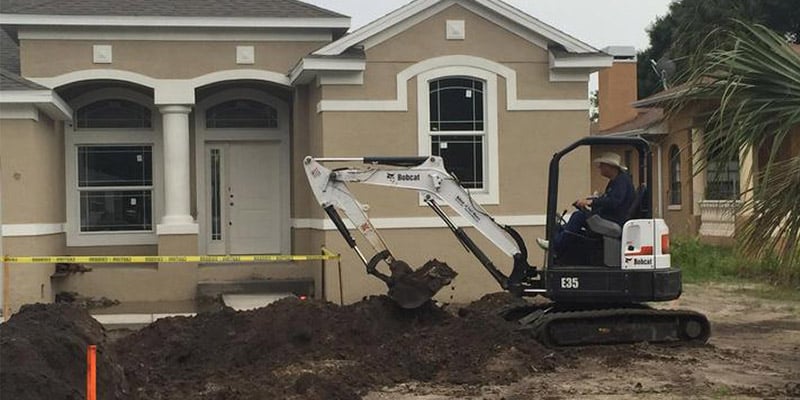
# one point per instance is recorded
(618, 325)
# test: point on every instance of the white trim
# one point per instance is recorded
(182, 34)
(401, 102)
(74, 137)
(177, 229)
(14, 230)
(50, 102)
(417, 222)
(322, 64)
(490, 194)
(165, 91)
(674, 207)
(395, 28)
(96, 74)
(410, 10)
(19, 111)
(188, 22)
(589, 61)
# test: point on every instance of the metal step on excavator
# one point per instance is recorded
(597, 290)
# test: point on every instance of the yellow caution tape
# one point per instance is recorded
(167, 259)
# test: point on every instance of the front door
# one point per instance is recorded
(243, 199)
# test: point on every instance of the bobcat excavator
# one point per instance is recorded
(596, 292)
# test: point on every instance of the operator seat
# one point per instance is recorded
(612, 232)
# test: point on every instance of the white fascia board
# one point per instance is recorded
(186, 22)
(310, 64)
(376, 27)
(47, 100)
(570, 43)
(175, 34)
(528, 22)
(587, 61)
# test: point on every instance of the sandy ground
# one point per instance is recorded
(754, 353)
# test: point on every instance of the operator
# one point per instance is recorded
(614, 204)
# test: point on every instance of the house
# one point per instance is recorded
(145, 128)
(694, 201)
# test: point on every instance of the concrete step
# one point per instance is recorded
(296, 286)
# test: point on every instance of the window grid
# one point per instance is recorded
(457, 127)
(109, 200)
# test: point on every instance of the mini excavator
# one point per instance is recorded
(597, 292)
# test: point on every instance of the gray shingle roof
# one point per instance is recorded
(169, 8)
(9, 53)
(9, 66)
(12, 81)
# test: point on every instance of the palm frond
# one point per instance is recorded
(752, 81)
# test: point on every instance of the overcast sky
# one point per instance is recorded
(600, 23)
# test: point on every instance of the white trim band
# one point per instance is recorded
(17, 230)
(401, 102)
(417, 222)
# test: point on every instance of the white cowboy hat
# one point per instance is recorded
(612, 159)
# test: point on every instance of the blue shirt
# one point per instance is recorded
(615, 203)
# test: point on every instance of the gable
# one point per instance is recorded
(482, 37)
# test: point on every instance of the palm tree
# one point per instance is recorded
(753, 81)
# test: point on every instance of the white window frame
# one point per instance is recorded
(74, 137)
(490, 194)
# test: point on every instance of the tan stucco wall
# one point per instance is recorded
(33, 171)
(681, 220)
(30, 283)
(472, 282)
(157, 59)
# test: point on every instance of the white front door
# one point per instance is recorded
(244, 193)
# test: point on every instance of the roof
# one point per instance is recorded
(9, 53)
(9, 67)
(498, 7)
(646, 118)
(171, 8)
(12, 81)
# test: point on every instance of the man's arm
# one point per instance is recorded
(613, 197)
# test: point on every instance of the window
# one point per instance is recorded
(112, 157)
(722, 177)
(115, 185)
(674, 175)
(113, 113)
(242, 113)
(457, 127)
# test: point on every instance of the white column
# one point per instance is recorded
(177, 219)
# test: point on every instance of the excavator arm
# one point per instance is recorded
(426, 175)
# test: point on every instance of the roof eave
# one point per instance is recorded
(47, 100)
(550, 33)
(180, 22)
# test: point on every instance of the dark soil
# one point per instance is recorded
(291, 349)
(316, 350)
(43, 355)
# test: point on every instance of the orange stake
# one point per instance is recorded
(91, 372)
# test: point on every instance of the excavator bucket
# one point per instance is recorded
(413, 288)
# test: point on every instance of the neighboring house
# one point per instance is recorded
(692, 203)
(145, 128)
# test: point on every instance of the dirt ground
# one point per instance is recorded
(753, 353)
(375, 351)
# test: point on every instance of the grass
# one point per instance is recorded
(702, 263)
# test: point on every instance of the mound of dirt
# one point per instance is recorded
(44, 355)
(317, 350)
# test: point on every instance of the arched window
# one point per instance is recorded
(113, 113)
(674, 175)
(457, 127)
(112, 145)
(242, 113)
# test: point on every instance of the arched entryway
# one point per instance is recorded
(242, 153)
